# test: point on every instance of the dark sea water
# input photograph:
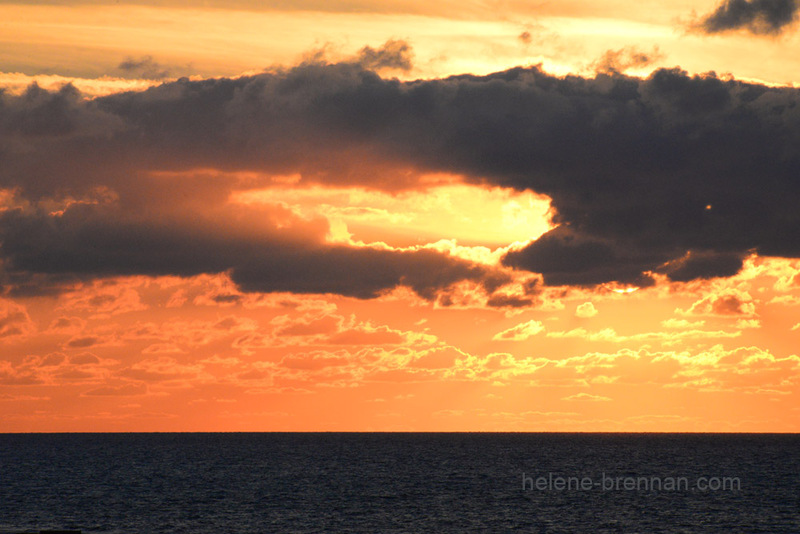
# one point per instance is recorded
(230, 483)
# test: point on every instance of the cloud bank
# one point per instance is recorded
(674, 174)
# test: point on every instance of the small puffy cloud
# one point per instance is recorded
(103, 299)
(730, 302)
(786, 300)
(164, 369)
(162, 348)
(586, 397)
(586, 310)
(11, 375)
(394, 54)
(620, 60)
(681, 323)
(755, 16)
(667, 338)
(603, 379)
(85, 341)
(126, 390)
(14, 320)
(144, 67)
(85, 358)
(520, 332)
(316, 328)
(67, 325)
(502, 300)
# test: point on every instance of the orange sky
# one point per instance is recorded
(306, 224)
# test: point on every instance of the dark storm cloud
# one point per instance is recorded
(703, 265)
(757, 16)
(91, 241)
(359, 272)
(676, 174)
(568, 258)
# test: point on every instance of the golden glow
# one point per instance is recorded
(625, 290)
(87, 41)
(16, 83)
(470, 215)
(196, 353)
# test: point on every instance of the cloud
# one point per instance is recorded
(586, 310)
(673, 174)
(681, 323)
(67, 325)
(565, 257)
(144, 67)
(586, 397)
(334, 329)
(622, 59)
(356, 272)
(667, 338)
(101, 299)
(82, 342)
(24, 398)
(91, 241)
(520, 332)
(502, 300)
(17, 376)
(729, 302)
(126, 390)
(14, 320)
(703, 265)
(756, 16)
(164, 370)
(394, 54)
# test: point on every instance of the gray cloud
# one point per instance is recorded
(678, 174)
(144, 67)
(394, 54)
(565, 257)
(91, 241)
(757, 16)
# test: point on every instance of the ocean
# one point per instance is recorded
(399, 482)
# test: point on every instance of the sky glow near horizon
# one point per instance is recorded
(403, 215)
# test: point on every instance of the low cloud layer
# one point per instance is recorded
(89, 241)
(756, 16)
(674, 174)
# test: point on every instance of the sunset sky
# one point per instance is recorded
(365, 215)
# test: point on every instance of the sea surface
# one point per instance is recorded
(404, 482)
